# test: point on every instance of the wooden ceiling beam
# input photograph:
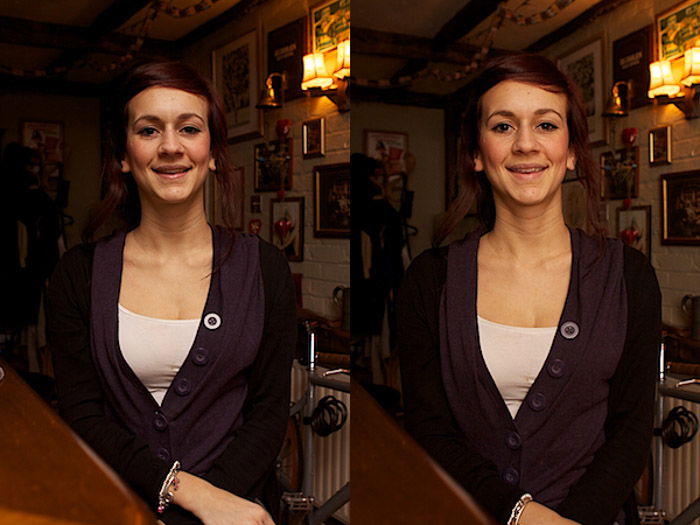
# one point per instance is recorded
(396, 45)
(50, 86)
(233, 13)
(395, 96)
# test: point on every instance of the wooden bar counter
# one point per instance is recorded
(48, 476)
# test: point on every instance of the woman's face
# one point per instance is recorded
(524, 143)
(168, 145)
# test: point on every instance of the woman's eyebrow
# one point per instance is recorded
(181, 117)
(510, 114)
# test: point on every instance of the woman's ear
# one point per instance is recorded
(571, 160)
(125, 166)
(478, 162)
(212, 164)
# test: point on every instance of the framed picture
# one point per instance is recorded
(620, 173)
(285, 54)
(237, 79)
(255, 204)
(46, 137)
(660, 146)
(389, 147)
(574, 203)
(332, 200)
(677, 29)
(287, 226)
(633, 226)
(313, 138)
(330, 24)
(680, 216)
(273, 165)
(585, 66)
(632, 55)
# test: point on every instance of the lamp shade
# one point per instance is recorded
(315, 73)
(342, 61)
(661, 80)
(691, 74)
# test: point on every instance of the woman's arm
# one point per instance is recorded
(608, 481)
(428, 416)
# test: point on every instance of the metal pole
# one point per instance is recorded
(659, 444)
(308, 485)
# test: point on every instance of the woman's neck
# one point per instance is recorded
(171, 231)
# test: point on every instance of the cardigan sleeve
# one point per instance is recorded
(81, 400)
(252, 453)
(608, 481)
(428, 416)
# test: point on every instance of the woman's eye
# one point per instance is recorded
(548, 126)
(501, 127)
(191, 130)
(147, 131)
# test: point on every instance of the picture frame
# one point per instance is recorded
(388, 147)
(632, 55)
(213, 199)
(660, 146)
(287, 226)
(633, 226)
(45, 137)
(286, 46)
(677, 29)
(329, 24)
(313, 138)
(332, 200)
(236, 76)
(273, 165)
(680, 200)
(620, 173)
(586, 68)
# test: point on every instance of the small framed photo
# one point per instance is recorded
(330, 24)
(273, 165)
(237, 79)
(313, 137)
(287, 226)
(332, 200)
(620, 173)
(46, 137)
(586, 68)
(677, 29)
(632, 55)
(660, 146)
(680, 214)
(388, 147)
(634, 228)
(255, 204)
(286, 47)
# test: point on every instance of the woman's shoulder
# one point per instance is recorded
(429, 268)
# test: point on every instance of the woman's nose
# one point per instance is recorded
(525, 140)
(170, 143)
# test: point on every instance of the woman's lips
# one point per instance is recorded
(527, 171)
(171, 172)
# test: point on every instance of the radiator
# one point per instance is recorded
(681, 476)
(332, 452)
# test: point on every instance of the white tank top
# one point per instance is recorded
(155, 348)
(514, 356)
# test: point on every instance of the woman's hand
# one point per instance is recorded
(215, 506)
(537, 514)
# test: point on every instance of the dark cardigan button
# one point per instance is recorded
(556, 368)
(569, 330)
(163, 454)
(513, 440)
(200, 356)
(159, 422)
(510, 475)
(537, 401)
(183, 386)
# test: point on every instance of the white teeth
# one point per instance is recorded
(526, 170)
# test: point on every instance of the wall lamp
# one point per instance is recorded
(665, 89)
(317, 80)
(272, 95)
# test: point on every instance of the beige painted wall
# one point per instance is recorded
(326, 261)
(81, 120)
(425, 129)
(677, 267)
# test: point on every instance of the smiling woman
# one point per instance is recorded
(172, 338)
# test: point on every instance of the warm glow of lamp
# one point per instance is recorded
(342, 61)
(315, 73)
(692, 67)
(661, 80)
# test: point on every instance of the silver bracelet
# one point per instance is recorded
(165, 496)
(518, 509)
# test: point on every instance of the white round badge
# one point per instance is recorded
(212, 321)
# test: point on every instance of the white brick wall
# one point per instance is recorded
(677, 267)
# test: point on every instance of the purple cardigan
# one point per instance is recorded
(559, 426)
(202, 408)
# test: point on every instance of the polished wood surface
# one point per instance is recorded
(394, 480)
(48, 475)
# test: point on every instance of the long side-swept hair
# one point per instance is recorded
(530, 69)
(119, 189)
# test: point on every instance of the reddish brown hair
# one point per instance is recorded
(530, 69)
(119, 189)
